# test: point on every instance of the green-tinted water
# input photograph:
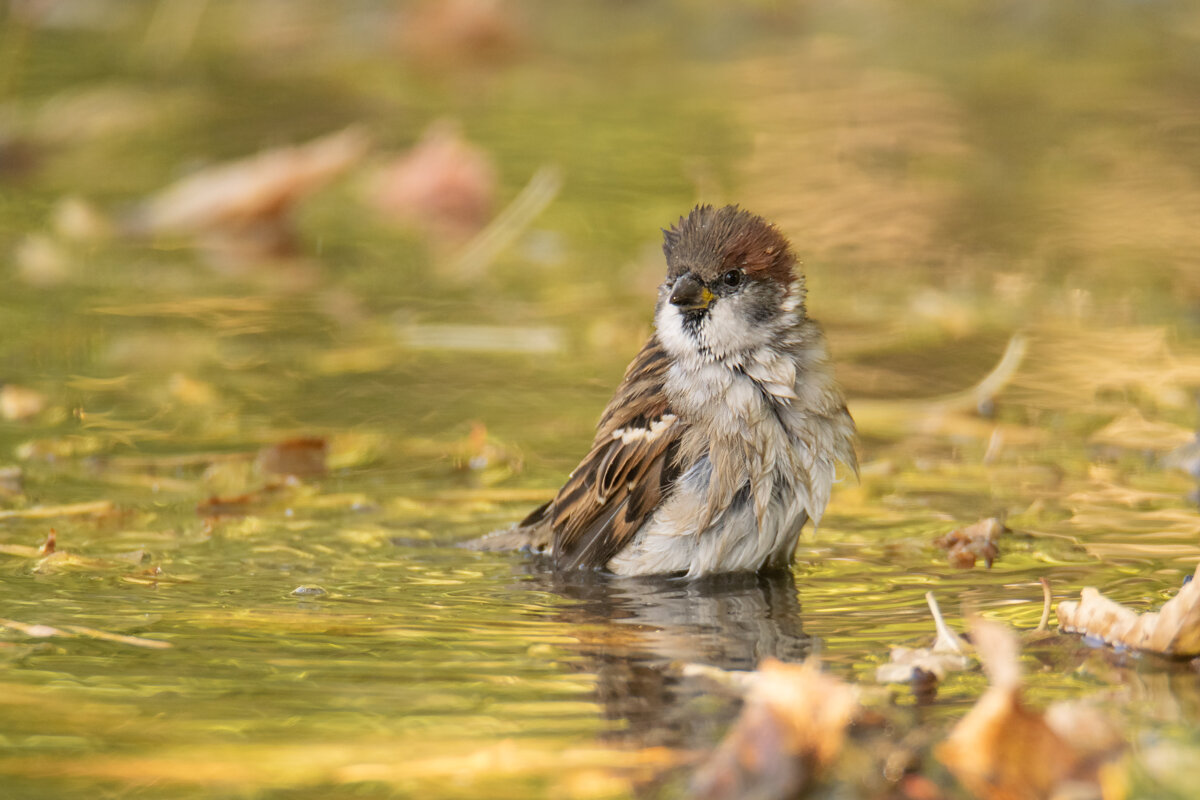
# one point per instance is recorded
(952, 174)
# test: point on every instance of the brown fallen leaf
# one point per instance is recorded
(243, 206)
(443, 186)
(949, 653)
(980, 540)
(1003, 750)
(791, 728)
(1173, 630)
(302, 457)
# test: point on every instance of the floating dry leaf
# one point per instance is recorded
(249, 200)
(444, 185)
(792, 727)
(1003, 750)
(980, 540)
(1173, 630)
(948, 654)
(303, 457)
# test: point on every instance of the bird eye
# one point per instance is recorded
(732, 278)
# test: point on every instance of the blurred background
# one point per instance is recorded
(295, 294)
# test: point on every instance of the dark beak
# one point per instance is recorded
(690, 294)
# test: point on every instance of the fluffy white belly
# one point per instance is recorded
(733, 542)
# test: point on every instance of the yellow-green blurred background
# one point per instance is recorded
(405, 249)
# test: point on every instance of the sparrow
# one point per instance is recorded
(723, 437)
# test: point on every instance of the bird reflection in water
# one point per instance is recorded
(634, 634)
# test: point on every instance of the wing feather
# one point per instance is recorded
(624, 476)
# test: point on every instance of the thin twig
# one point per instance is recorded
(1042, 626)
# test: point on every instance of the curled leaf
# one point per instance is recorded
(444, 185)
(949, 653)
(1173, 630)
(792, 726)
(1002, 749)
(244, 205)
(981, 540)
(1005, 750)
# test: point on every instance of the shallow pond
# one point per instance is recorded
(961, 180)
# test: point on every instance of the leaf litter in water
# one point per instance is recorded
(1173, 630)
(242, 208)
(980, 540)
(792, 727)
(1005, 750)
(444, 185)
(949, 653)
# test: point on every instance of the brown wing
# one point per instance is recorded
(623, 478)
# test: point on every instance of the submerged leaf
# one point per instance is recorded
(792, 727)
(948, 654)
(964, 545)
(1173, 630)
(1003, 750)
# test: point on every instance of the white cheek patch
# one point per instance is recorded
(730, 328)
(674, 339)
